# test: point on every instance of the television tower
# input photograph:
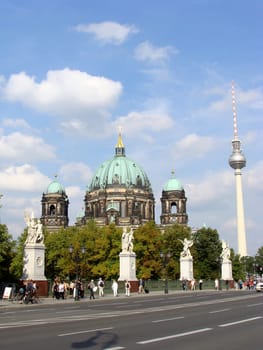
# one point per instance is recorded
(237, 161)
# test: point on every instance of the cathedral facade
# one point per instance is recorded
(120, 192)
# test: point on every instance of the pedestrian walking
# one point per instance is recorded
(216, 284)
(101, 287)
(193, 284)
(200, 284)
(115, 288)
(91, 288)
(127, 288)
(141, 285)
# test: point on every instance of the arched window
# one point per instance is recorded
(52, 210)
(173, 208)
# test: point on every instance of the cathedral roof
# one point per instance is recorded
(173, 184)
(120, 171)
(55, 187)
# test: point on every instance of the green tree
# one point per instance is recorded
(258, 262)
(16, 267)
(6, 254)
(238, 270)
(206, 253)
(101, 257)
(147, 246)
(104, 256)
(172, 244)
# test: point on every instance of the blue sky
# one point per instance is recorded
(72, 72)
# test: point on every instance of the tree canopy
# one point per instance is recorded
(95, 253)
(6, 254)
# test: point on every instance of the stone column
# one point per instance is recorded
(186, 268)
(226, 270)
(34, 266)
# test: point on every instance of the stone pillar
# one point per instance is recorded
(34, 266)
(186, 268)
(127, 267)
(226, 270)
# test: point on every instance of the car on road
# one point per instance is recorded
(259, 286)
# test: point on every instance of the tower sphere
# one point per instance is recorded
(237, 160)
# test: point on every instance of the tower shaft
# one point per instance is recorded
(241, 231)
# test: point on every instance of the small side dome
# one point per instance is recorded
(173, 184)
(55, 187)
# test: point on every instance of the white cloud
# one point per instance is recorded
(108, 32)
(94, 127)
(254, 177)
(75, 192)
(64, 93)
(195, 146)
(25, 178)
(15, 123)
(24, 148)
(148, 53)
(248, 98)
(210, 189)
(76, 170)
(145, 121)
(253, 98)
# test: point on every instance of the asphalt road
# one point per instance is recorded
(184, 320)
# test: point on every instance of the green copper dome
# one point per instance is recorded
(120, 171)
(55, 187)
(173, 184)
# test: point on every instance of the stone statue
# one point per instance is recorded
(127, 240)
(124, 240)
(130, 241)
(39, 232)
(35, 229)
(225, 255)
(187, 244)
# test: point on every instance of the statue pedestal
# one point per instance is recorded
(127, 267)
(226, 270)
(34, 262)
(34, 266)
(186, 268)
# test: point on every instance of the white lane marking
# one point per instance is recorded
(216, 311)
(238, 322)
(174, 336)
(115, 348)
(250, 305)
(146, 300)
(168, 319)
(87, 331)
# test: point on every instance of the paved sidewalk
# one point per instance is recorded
(107, 296)
(70, 300)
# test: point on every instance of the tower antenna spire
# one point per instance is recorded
(234, 110)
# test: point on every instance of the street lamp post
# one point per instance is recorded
(77, 259)
(165, 258)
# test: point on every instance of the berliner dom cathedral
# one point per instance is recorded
(120, 192)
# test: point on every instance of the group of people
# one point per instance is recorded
(62, 290)
(191, 284)
(27, 292)
(92, 287)
(76, 289)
